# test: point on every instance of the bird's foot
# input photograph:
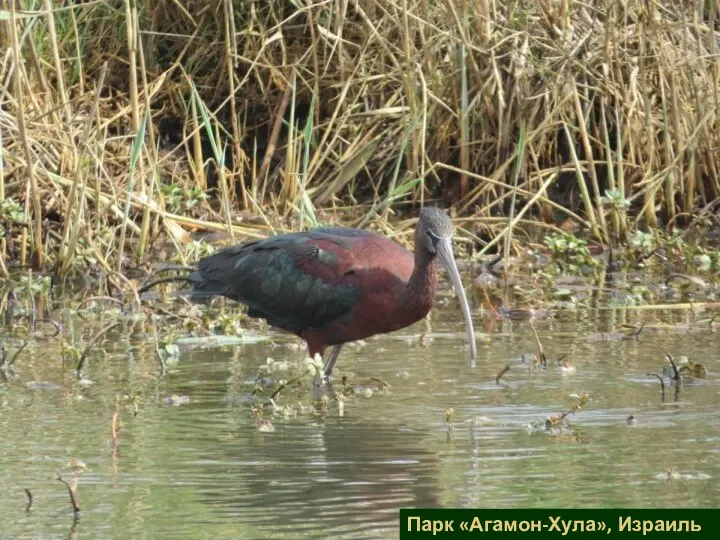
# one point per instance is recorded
(322, 381)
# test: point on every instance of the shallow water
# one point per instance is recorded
(201, 468)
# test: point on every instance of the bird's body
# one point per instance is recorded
(328, 286)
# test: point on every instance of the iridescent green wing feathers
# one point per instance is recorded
(296, 282)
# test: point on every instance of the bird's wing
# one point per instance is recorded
(295, 281)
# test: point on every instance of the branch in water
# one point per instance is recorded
(96, 337)
(71, 487)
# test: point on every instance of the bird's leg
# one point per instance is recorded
(320, 381)
(330, 364)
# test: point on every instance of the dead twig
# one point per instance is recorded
(113, 429)
(699, 282)
(163, 365)
(490, 305)
(30, 500)
(635, 333)
(656, 251)
(712, 321)
(662, 383)
(100, 298)
(502, 372)
(58, 326)
(554, 421)
(17, 353)
(172, 315)
(543, 358)
(95, 338)
(272, 142)
(283, 386)
(12, 359)
(71, 486)
(381, 384)
(676, 372)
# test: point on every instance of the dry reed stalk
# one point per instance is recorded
(145, 227)
(354, 159)
(132, 44)
(620, 163)
(272, 142)
(712, 22)
(3, 267)
(675, 147)
(538, 132)
(507, 231)
(222, 181)
(332, 132)
(59, 73)
(525, 192)
(650, 195)
(618, 218)
(231, 62)
(3, 240)
(137, 203)
(582, 127)
(482, 21)
(289, 188)
(78, 53)
(197, 162)
(516, 175)
(464, 113)
(19, 78)
(135, 158)
(409, 81)
(74, 222)
(644, 105)
(587, 202)
(668, 152)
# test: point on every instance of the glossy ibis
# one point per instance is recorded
(333, 285)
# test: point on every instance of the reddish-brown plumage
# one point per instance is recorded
(392, 300)
(331, 286)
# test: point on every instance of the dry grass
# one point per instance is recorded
(347, 110)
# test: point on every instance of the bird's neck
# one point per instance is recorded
(423, 282)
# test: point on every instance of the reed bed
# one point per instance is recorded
(126, 126)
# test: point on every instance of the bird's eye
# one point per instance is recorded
(432, 236)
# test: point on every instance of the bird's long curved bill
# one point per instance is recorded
(444, 251)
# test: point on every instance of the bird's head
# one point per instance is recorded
(434, 227)
(434, 234)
